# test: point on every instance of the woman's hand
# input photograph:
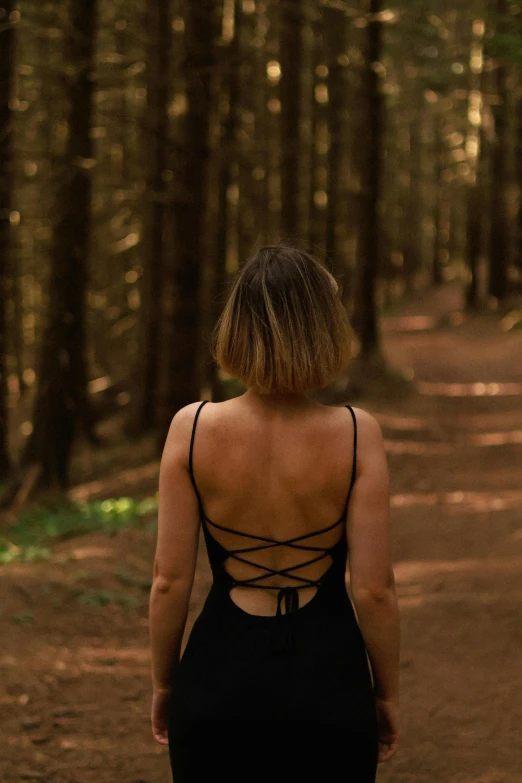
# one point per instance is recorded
(160, 706)
(388, 727)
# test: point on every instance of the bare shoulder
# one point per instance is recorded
(185, 416)
(215, 417)
(368, 430)
(180, 428)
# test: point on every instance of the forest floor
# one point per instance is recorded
(74, 661)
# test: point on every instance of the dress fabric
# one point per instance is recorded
(287, 697)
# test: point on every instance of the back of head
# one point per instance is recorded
(283, 329)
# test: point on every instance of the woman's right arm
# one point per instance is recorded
(372, 582)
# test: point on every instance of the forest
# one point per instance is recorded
(147, 148)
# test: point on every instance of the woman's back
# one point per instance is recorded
(278, 473)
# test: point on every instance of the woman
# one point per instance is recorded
(275, 682)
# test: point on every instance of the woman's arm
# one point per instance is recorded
(372, 582)
(176, 551)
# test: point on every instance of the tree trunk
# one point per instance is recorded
(438, 153)
(121, 39)
(155, 141)
(475, 217)
(500, 228)
(412, 251)
(318, 161)
(260, 185)
(6, 119)
(182, 355)
(518, 174)
(476, 225)
(365, 318)
(456, 218)
(335, 40)
(249, 206)
(228, 154)
(61, 402)
(272, 125)
(291, 55)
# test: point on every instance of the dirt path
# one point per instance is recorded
(74, 665)
(456, 468)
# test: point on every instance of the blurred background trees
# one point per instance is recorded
(148, 146)
(6, 78)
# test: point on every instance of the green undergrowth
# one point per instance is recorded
(101, 598)
(35, 530)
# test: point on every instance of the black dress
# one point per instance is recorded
(276, 698)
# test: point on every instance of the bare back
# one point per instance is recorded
(278, 472)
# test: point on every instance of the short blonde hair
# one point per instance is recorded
(283, 328)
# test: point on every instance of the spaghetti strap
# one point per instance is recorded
(354, 464)
(191, 455)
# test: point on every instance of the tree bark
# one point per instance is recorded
(155, 140)
(518, 174)
(438, 153)
(335, 41)
(260, 186)
(412, 226)
(365, 318)
(121, 39)
(182, 353)
(228, 153)
(474, 222)
(61, 400)
(291, 55)
(6, 119)
(318, 160)
(476, 226)
(499, 245)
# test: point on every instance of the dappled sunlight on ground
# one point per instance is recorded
(475, 439)
(507, 420)
(411, 569)
(495, 438)
(90, 552)
(75, 667)
(409, 323)
(414, 447)
(119, 485)
(486, 597)
(396, 422)
(469, 389)
(467, 501)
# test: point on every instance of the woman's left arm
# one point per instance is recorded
(174, 563)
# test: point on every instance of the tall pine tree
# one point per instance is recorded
(6, 119)
(61, 400)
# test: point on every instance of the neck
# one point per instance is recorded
(279, 400)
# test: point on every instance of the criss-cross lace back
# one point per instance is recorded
(296, 543)
(287, 594)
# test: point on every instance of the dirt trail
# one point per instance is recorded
(74, 665)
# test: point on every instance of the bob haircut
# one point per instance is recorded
(284, 328)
